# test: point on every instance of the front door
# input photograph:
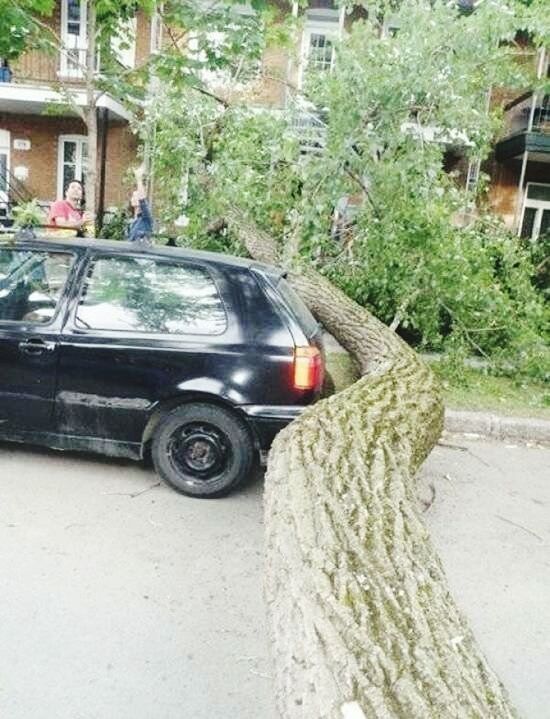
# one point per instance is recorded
(4, 168)
(32, 287)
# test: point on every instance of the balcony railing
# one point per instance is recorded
(36, 68)
(41, 68)
(310, 130)
(13, 192)
(528, 113)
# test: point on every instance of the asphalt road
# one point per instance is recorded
(115, 606)
(490, 521)
(121, 599)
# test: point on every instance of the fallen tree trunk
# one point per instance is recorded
(361, 619)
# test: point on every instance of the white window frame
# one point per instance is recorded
(5, 148)
(539, 205)
(221, 78)
(318, 21)
(80, 141)
(126, 55)
(155, 38)
(212, 78)
(330, 29)
(69, 42)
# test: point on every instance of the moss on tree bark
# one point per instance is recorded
(361, 617)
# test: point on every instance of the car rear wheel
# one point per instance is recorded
(202, 450)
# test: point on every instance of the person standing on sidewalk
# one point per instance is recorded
(141, 227)
(68, 213)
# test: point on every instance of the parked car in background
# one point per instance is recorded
(196, 357)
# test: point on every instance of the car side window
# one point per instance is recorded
(31, 283)
(134, 294)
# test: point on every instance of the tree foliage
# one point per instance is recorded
(17, 29)
(387, 114)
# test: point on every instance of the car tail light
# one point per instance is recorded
(308, 368)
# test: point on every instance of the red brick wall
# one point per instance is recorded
(121, 155)
(41, 159)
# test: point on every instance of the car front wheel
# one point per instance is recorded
(202, 450)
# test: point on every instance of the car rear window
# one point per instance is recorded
(31, 284)
(133, 294)
(298, 308)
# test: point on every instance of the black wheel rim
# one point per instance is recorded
(199, 451)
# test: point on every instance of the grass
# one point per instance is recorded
(503, 395)
(474, 391)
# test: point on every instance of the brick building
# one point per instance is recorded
(40, 152)
(519, 166)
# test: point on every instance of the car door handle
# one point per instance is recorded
(36, 346)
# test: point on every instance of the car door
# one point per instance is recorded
(33, 289)
(142, 326)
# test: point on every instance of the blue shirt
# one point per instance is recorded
(142, 225)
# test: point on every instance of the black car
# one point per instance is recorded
(195, 357)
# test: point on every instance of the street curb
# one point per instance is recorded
(522, 429)
(485, 424)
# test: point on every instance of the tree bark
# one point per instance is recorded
(91, 107)
(361, 619)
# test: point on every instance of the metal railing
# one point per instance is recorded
(528, 113)
(310, 130)
(14, 192)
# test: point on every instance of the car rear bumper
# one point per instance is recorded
(267, 421)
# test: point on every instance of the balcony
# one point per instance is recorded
(35, 68)
(526, 128)
(31, 85)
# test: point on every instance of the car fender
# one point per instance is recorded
(159, 409)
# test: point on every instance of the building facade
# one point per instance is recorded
(42, 150)
(40, 153)
(520, 165)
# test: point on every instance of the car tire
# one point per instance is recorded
(202, 450)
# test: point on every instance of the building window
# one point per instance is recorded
(472, 177)
(124, 43)
(214, 45)
(536, 211)
(321, 52)
(72, 160)
(73, 36)
(310, 128)
(318, 49)
(322, 29)
(155, 44)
